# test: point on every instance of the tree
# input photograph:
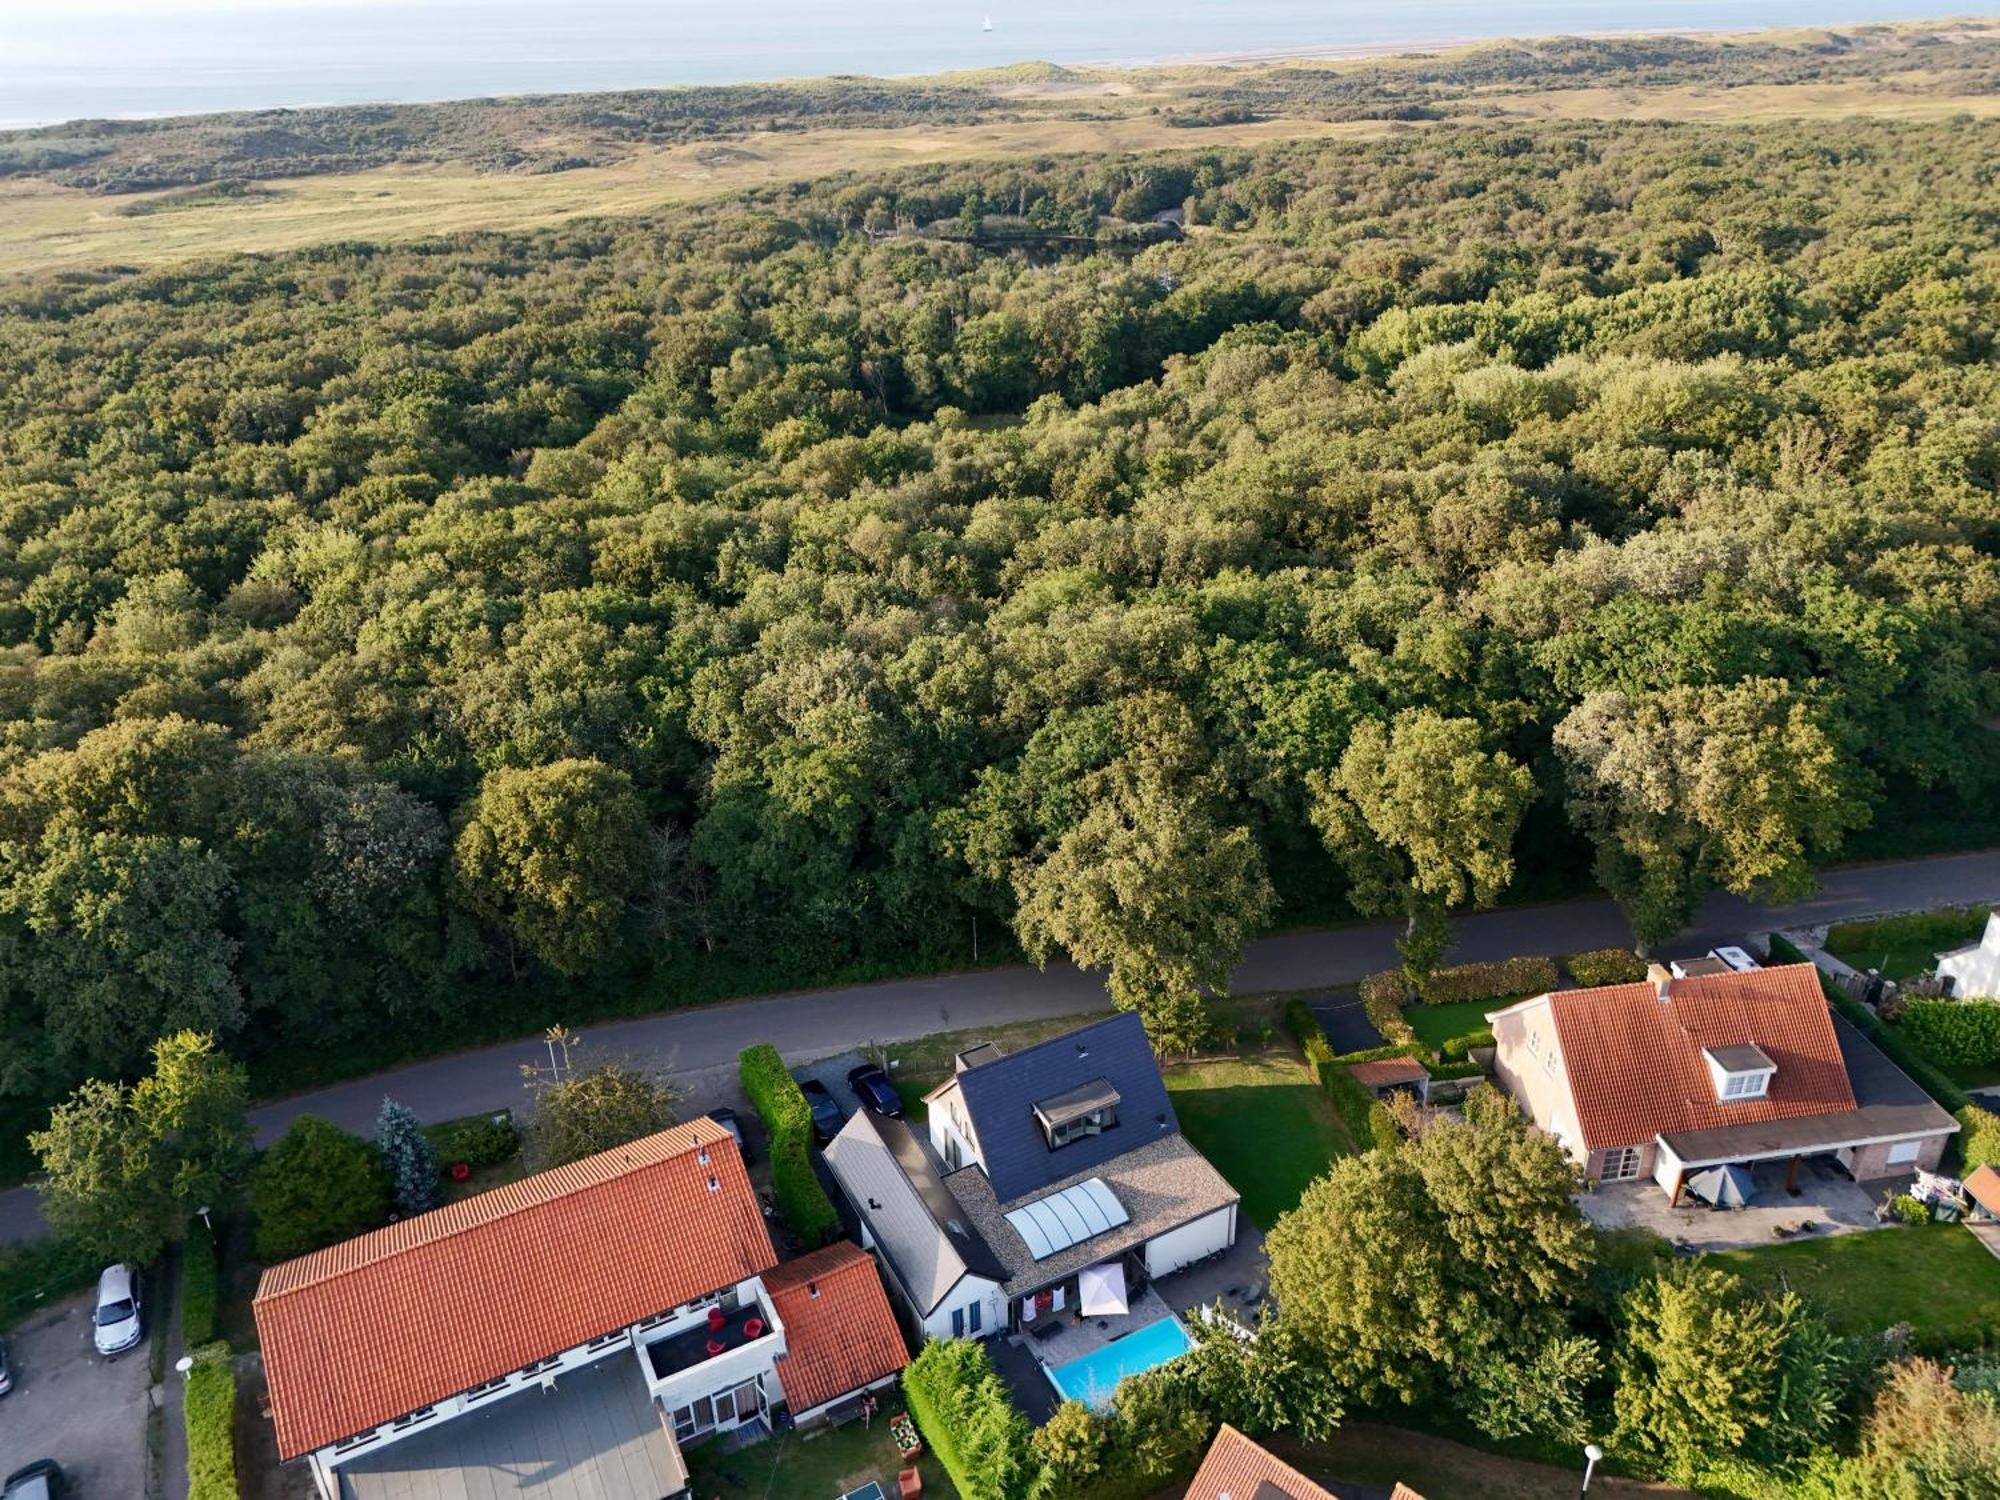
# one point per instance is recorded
(593, 1109)
(1754, 791)
(406, 1150)
(551, 855)
(318, 1185)
(1925, 1439)
(1423, 816)
(126, 1167)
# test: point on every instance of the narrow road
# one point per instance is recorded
(818, 1023)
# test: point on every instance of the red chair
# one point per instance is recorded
(753, 1328)
(715, 1347)
(716, 1318)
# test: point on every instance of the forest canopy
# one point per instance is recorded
(387, 635)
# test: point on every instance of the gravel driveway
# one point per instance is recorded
(87, 1413)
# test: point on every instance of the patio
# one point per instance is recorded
(1072, 1340)
(1828, 1199)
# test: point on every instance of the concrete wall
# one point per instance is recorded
(1209, 1235)
(1540, 1089)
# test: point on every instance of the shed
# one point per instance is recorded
(1393, 1075)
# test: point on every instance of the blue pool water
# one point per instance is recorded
(1093, 1378)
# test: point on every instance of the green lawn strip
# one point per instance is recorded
(819, 1467)
(1262, 1123)
(1937, 1278)
(1437, 1024)
(1903, 946)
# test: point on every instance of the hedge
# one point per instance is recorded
(209, 1408)
(478, 1140)
(794, 1185)
(1311, 1037)
(959, 1404)
(1954, 1032)
(1354, 1104)
(318, 1185)
(1937, 930)
(1508, 979)
(1977, 1143)
(199, 1287)
(1383, 997)
(1605, 966)
(35, 1272)
(1458, 1049)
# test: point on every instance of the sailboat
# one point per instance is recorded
(989, 24)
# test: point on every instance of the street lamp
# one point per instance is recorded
(205, 1224)
(1592, 1456)
(183, 1365)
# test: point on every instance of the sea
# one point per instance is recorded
(64, 60)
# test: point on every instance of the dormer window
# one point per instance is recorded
(1090, 1109)
(1739, 1072)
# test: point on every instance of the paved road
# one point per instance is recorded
(818, 1023)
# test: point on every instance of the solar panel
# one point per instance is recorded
(1052, 1224)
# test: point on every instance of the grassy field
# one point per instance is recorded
(1903, 946)
(811, 1468)
(1938, 1279)
(1263, 1124)
(1437, 1024)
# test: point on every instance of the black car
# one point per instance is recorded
(727, 1119)
(827, 1118)
(41, 1480)
(872, 1087)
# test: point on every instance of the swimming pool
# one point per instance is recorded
(1093, 1378)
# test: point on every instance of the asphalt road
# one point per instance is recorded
(806, 1025)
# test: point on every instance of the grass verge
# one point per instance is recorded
(1437, 1024)
(1262, 1123)
(1936, 1278)
(1903, 946)
(826, 1464)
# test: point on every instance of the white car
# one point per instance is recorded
(116, 1321)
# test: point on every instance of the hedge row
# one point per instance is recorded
(1458, 1049)
(1360, 1111)
(1509, 979)
(1383, 997)
(794, 1185)
(963, 1412)
(1936, 930)
(1605, 966)
(209, 1407)
(478, 1141)
(1955, 1032)
(199, 1290)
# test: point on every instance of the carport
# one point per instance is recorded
(594, 1436)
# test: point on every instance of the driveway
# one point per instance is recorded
(87, 1413)
(1345, 1023)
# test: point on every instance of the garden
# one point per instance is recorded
(1262, 1122)
(1903, 947)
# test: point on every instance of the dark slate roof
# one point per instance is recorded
(1001, 1096)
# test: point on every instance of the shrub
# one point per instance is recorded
(1977, 1143)
(1605, 966)
(1938, 931)
(209, 1408)
(1458, 1049)
(200, 1289)
(478, 1141)
(794, 1185)
(1505, 980)
(1311, 1037)
(1354, 1104)
(317, 1185)
(984, 1444)
(1910, 1210)
(412, 1160)
(34, 1271)
(1383, 997)
(1954, 1032)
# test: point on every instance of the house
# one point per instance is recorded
(607, 1311)
(1238, 1469)
(945, 1279)
(1670, 1076)
(1067, 1156)
(1974, 970)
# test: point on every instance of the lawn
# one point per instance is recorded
(1439, 1469)
(1938, 1279)
(1437, 1024)
(1903, 946)
(1263, 1123)
(818, 1467)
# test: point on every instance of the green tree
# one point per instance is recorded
(593, 1109)
(1925, 1439)
(551, 856)
(406, 1150)
(318, 1185)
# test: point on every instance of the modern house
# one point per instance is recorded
(1066, 1157)
(564, 1335)
(1670, 1076)
(1238, 1469)
(1974, 971)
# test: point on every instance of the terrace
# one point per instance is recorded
(669, 1357)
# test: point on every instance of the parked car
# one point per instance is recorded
(827, 1118)
(6, 1370)
(117, 1321)
(727, 1119)
(872, 1087)
(41, 1480)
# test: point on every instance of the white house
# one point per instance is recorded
(1974, 970)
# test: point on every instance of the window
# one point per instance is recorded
(1904, 1152)
(489, 1388)
(1549, 1063)
(1096, 1122)
(1621, 1164)
(617, 1336)
(1534, 1042)
(697, 1416)
(972, 1317)
(1745, 1085)
(958, 1322)
(410, 1419)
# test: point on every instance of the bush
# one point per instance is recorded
(1910, 1210)
(794, 1185)
(200, 1287)
(209, 1408)
(1458, 1049)
(1954, 1032)
(1938, 931)
(959, 1404)
(1977, 1143)
(1604, 966)
(1311, 1037)
(1354, 1104)
(1383, 997)
(32, 1272)
(478, 1141)
(316, 1186)
(1508, 979)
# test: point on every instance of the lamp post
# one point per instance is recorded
(205, 1224)
(183, 1365)
(1592, 1454)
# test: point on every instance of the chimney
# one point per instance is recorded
(1663, 981)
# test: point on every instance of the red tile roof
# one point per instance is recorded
(1238, 1469)
(840, 1332)
(1983, 1188)
(1635, 1061)
(1388, 1071)
(363, 1332)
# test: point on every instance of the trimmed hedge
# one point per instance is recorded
(1508, 979)
(1383, 997)
(1354, 1104)
(962, 1409)
(1977, 1143)
(1936, 930)
(200, 1288)
(794, 1185)
(209, 1407)
(1605, 966)
(1954, 1032)
(478, 1140)
(1458, 1049)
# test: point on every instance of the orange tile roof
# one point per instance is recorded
(839, 1330)
(363, 1332)
(1236, 1469)
(1389, 1070)
(1983, 1187)
(1635, 1065)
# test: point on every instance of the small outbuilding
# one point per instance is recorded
(1393, 1075)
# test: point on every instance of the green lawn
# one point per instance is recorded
(1903, 946)
(1938, 1279)
(1263, 1123)
(1437, 1024)
(821, 1467)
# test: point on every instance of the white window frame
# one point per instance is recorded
(1621, 1164)
(1902, 1153)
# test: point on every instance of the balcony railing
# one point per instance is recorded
(670, 1356)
